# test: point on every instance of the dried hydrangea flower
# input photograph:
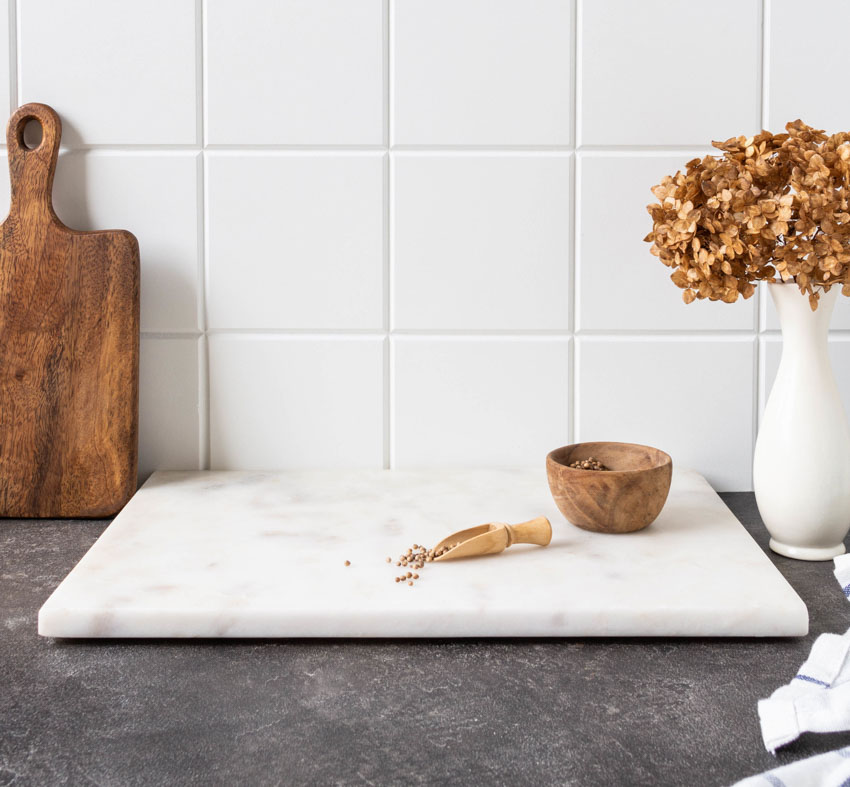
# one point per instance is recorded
(772, 206)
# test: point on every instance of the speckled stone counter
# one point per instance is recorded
(583, 712)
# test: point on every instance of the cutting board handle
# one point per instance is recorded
(31, 170)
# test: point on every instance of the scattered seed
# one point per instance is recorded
(410, 583)
(347, 562)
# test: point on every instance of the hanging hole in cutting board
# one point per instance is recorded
(30, 133)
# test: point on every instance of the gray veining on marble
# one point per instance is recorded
(250, 554)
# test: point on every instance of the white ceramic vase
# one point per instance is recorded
(801, 468)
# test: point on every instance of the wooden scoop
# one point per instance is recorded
(494, 537)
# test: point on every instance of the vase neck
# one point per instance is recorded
(800, 325)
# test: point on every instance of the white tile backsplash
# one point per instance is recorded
(300, 72)
(621, 286)
(471, 401)
(818, 26)
(409, 232)
(481, 242)
(6, 91)
(155, 195)
(657, 72)
(117, 72)
(169, 417)
(309, 255)
(689, 397)
(278, 402)
(482, 72)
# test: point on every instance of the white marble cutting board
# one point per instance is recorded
(248, 554)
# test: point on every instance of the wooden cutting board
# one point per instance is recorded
(69, 347)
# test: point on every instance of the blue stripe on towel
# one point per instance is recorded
(775, 781)
(846, 590)
(810, 679)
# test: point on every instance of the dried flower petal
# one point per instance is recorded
(770, 204)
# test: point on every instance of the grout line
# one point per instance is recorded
(203, 403)
(646, 335)
(660, 150)
(421, 150)
(503, 148)
(765, 62)
(389, 404)
(666, 335)
(306, 335)
(472, 333)
(295, 148)
(204, 408)
(576, 80)
(574, 284)
(575, 214)
(575, 426)
(760, 304)
(389, 370)
(14, 48)
(170, 334)
(201, 74)
(342, 333)
(389, 232)
(571, 389)
(129, 147)
(575, 250)
(386, 73)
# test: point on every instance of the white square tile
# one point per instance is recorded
(480, 72)
(5, 79)
(116, 72)
(473, 401)
(300, 402)
(620, 284)
(481, 242)
(155, 196)
(655, 72)
(793, 93)
(690, 398)
(771, 353)
(295, 241)
(168, 405)
(840, 315)
(297, 72)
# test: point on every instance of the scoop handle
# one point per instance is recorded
(535, 531)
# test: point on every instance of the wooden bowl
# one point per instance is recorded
(627, 497)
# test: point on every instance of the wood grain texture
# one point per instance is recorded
(494, 537)
(69, 347)
(626, 497)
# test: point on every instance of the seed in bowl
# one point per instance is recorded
(587, 464)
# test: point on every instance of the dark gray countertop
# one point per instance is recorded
(589, 712)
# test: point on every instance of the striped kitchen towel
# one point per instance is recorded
(816, 700)
(842, 573)
(823, 770)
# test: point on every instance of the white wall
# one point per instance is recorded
(403, 233)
